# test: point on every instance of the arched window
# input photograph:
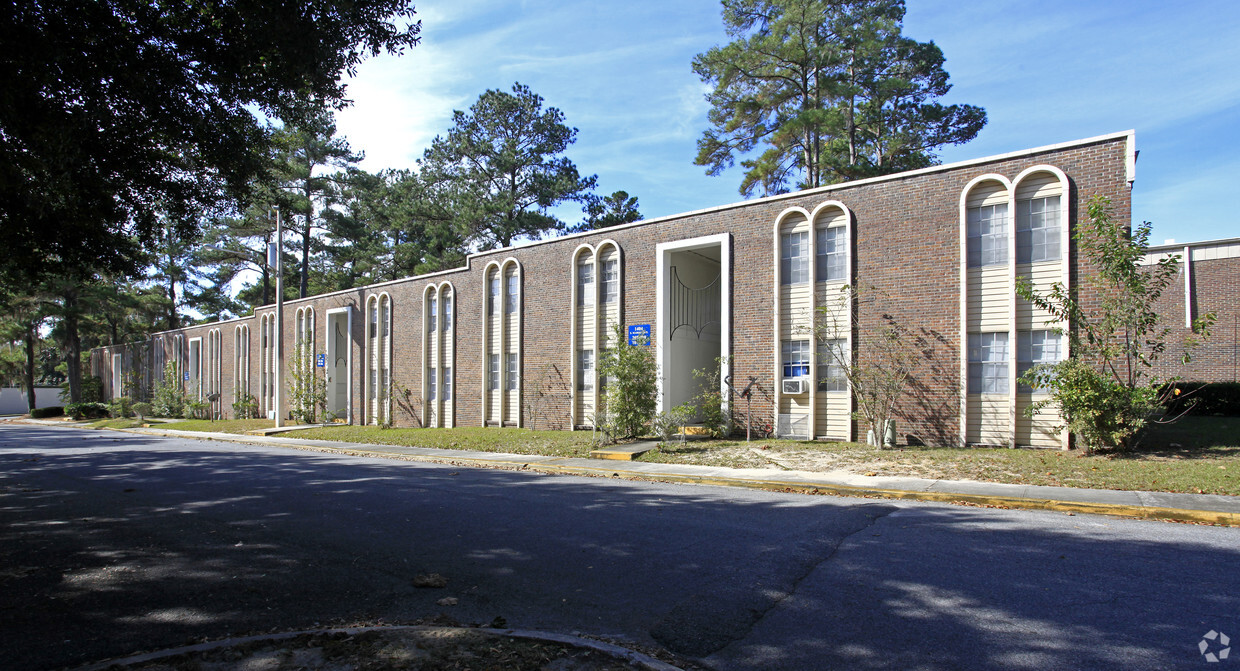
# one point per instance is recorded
(501, 347)
(438, 353)
(988, 282)
(596, 311)
(379, 358)
(267, 350)
(241, 366)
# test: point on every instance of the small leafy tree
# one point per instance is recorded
(631, 385)
(245, 407)
(1108, 389)
(709, 401)
(169, 398)
(887, 358)
(308, 395)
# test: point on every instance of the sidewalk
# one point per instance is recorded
(1200, 508)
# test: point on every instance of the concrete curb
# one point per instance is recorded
(1212, 509)
(634, 657)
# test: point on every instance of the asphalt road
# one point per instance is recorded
(113, 543)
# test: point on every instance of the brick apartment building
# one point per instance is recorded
(513, 338)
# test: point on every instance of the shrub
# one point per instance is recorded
(308, 390)
(169, 398)
(245, 407)
(631, 376)
(91, 410)
(198, 409)
(121, 408)
(54, 411)
(142, 409)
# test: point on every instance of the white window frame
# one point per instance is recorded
(585, 282)
(988, 363)
(832, 261)
(988, 230)
(1043, 223)
(794, 359)
(831, 374)
(794, 258)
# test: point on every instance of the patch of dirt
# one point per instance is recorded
(381, 650)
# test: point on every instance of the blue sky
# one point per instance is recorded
(1045, 72)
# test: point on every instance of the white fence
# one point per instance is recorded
(13, 400)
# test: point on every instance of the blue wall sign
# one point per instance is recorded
(187, 376)
(639, 334)
(320, 360)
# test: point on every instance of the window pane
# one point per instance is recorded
(493, 295)
(493, 371)
(447, 384)
(1037, 230)
(585, 284)
(832, 357)
(510, 305)
(447, 313)
(611, 281)
(832, 254)
(430, 319)
(794, 258)
(510, 372)
(987, 235)
(795, 358)
(988, 363)
(430, 384)
(585, 370)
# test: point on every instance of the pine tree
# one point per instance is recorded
(830, 88)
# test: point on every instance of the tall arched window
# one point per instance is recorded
(304, 346)
(214, 376)
(596, 307)
(241, 366)
(379, 358)
(438, 354)
(267, 352)
(1042, 243)
(501, 344)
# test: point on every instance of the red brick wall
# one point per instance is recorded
(906, 243)
(1216, 288)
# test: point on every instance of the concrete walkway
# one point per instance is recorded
(1202, 508)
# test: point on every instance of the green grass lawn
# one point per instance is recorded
(118, 423)
(490, 439)
(1194, 455)
(223, 425)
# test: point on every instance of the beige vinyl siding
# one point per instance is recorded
(833, 416)
(511, 347)
(988, 193)
(989, 298)
(1041, 430)
(796, 309)
(494, 345)
(1042, 276)
(833, 412)
(609, 312)
(988, 419)
(1039, 185)
(586, 322)
(447, 345)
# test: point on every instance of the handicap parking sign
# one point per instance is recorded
(320, 360)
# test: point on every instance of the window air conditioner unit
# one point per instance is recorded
(794, 387)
